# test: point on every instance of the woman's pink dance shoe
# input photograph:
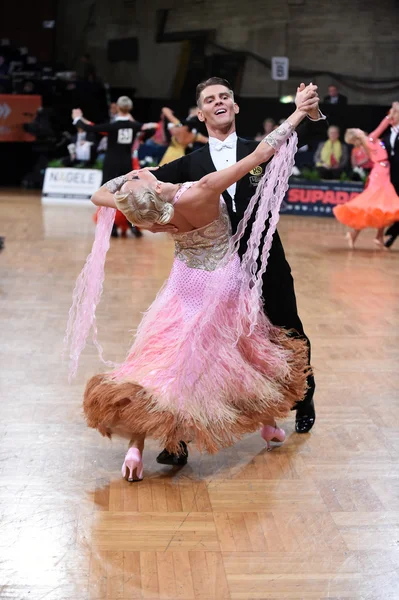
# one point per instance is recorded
(132, 468)
(272, 434)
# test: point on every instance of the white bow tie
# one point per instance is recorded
(220, 145)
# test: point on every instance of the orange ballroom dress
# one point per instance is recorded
(378, 205)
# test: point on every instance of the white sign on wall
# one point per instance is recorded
(70, 186)
(280, 68)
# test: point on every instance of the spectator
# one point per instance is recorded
(193, 124)
(334, 97)
(183, 135)
(28, 88)
(269, 125)
(113, 112)
(82, 149)
(331, 156)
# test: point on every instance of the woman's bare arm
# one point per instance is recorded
(103, 197)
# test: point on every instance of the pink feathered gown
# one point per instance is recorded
(206, 364)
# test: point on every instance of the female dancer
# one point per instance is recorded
(206, 364)
(378, 205)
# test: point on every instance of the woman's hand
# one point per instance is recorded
(307, 99)
(167, 112)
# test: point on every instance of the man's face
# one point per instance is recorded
(395, 114)
(217, 108)
(333, 134)
(332, 91)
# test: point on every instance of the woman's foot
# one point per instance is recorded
(132, 468)
(379, 242)
(272, 433)
(351, 237)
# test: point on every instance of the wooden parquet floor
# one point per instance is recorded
(317, 518)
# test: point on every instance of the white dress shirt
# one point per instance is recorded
(83, 147)
(223, 155)
(394, 133)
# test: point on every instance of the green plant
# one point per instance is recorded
(345, 177)
(310, 174)
(56, 163)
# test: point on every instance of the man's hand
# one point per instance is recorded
(149, 126)
(161, 228)
(307, 100)
(167, 112)
(76, 114)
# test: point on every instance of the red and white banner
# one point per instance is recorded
(318, 198)
(15, 111)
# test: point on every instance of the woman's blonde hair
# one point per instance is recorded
(143, 205)
(350, 136)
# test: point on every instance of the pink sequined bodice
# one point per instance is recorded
(377, 150)
(376, 147)
(205, 247)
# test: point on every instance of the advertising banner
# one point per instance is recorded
(70, 186)
(317, 198)
(15, 111)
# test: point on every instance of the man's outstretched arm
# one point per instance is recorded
(316, 125)
(176, 171)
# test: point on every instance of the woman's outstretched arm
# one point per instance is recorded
(385, 123)
(220, 180)
(104, 196)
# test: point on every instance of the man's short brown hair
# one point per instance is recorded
(211, 81)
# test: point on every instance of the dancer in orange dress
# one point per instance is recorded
(378, 205)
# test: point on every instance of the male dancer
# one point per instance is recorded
(121, 133)
(217, 109)
(391, 142)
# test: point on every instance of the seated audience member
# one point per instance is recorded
(28, 88)
(82, 149)
(331, 156)
(334, 97)
(269, 125)
(113, 112)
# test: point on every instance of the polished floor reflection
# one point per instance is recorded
(316, 519)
